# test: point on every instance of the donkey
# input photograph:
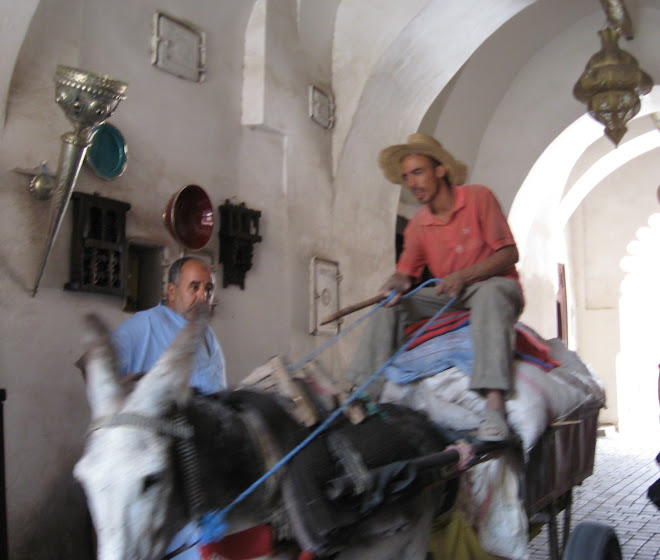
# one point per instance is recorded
(160, 456)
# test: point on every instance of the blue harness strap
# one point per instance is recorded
(213, 525)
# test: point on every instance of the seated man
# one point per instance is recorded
(461, 234)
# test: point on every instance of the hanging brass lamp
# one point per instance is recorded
(611, 85)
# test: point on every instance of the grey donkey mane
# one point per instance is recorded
(225, 450)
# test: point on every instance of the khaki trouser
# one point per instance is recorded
(494, 304)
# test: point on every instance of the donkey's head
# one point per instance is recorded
(126, 468)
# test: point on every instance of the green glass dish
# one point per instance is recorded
(107, 155)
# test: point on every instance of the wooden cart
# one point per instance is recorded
(562, 459)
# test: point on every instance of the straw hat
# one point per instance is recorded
(422, 144)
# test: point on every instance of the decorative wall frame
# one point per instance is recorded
(178, 47)
(321, 107)
(324, 295)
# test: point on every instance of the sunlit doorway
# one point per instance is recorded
(638, 361)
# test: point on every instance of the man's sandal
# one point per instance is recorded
(493, 427)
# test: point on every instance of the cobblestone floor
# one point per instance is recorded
(615, 494)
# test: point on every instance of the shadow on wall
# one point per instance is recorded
(61, 529)
(14, 275)
(23, 222)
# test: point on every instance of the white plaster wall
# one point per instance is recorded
(15, 18)
(177, 132)
(45, 412)
(608, 222)
(519, 129)
(315, 29)
(356, 53)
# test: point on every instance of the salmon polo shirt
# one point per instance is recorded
(475, 230)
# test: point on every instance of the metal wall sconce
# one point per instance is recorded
(239, 231)
(87, 100)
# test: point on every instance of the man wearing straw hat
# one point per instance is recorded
(462, 236)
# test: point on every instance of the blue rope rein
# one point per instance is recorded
(213, 524)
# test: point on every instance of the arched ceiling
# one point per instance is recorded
(14, 22)
(412, 71)
(449, 78)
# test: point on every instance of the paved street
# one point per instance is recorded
(616, 494)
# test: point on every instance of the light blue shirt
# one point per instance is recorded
(141, 340)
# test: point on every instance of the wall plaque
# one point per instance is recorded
(324, 292)
(178, 47)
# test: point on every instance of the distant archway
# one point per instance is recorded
(639, 308)
(573, 165)
(554, 188)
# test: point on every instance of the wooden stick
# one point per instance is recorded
(353, 308)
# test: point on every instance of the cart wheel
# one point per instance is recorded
(591, 540)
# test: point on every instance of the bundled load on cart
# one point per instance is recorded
(554, 393)
(505, 490)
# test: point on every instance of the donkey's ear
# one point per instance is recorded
(99, 362)
(167, 383)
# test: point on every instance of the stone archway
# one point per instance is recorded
(16, 18)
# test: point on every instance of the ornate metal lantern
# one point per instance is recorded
(611, 86)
